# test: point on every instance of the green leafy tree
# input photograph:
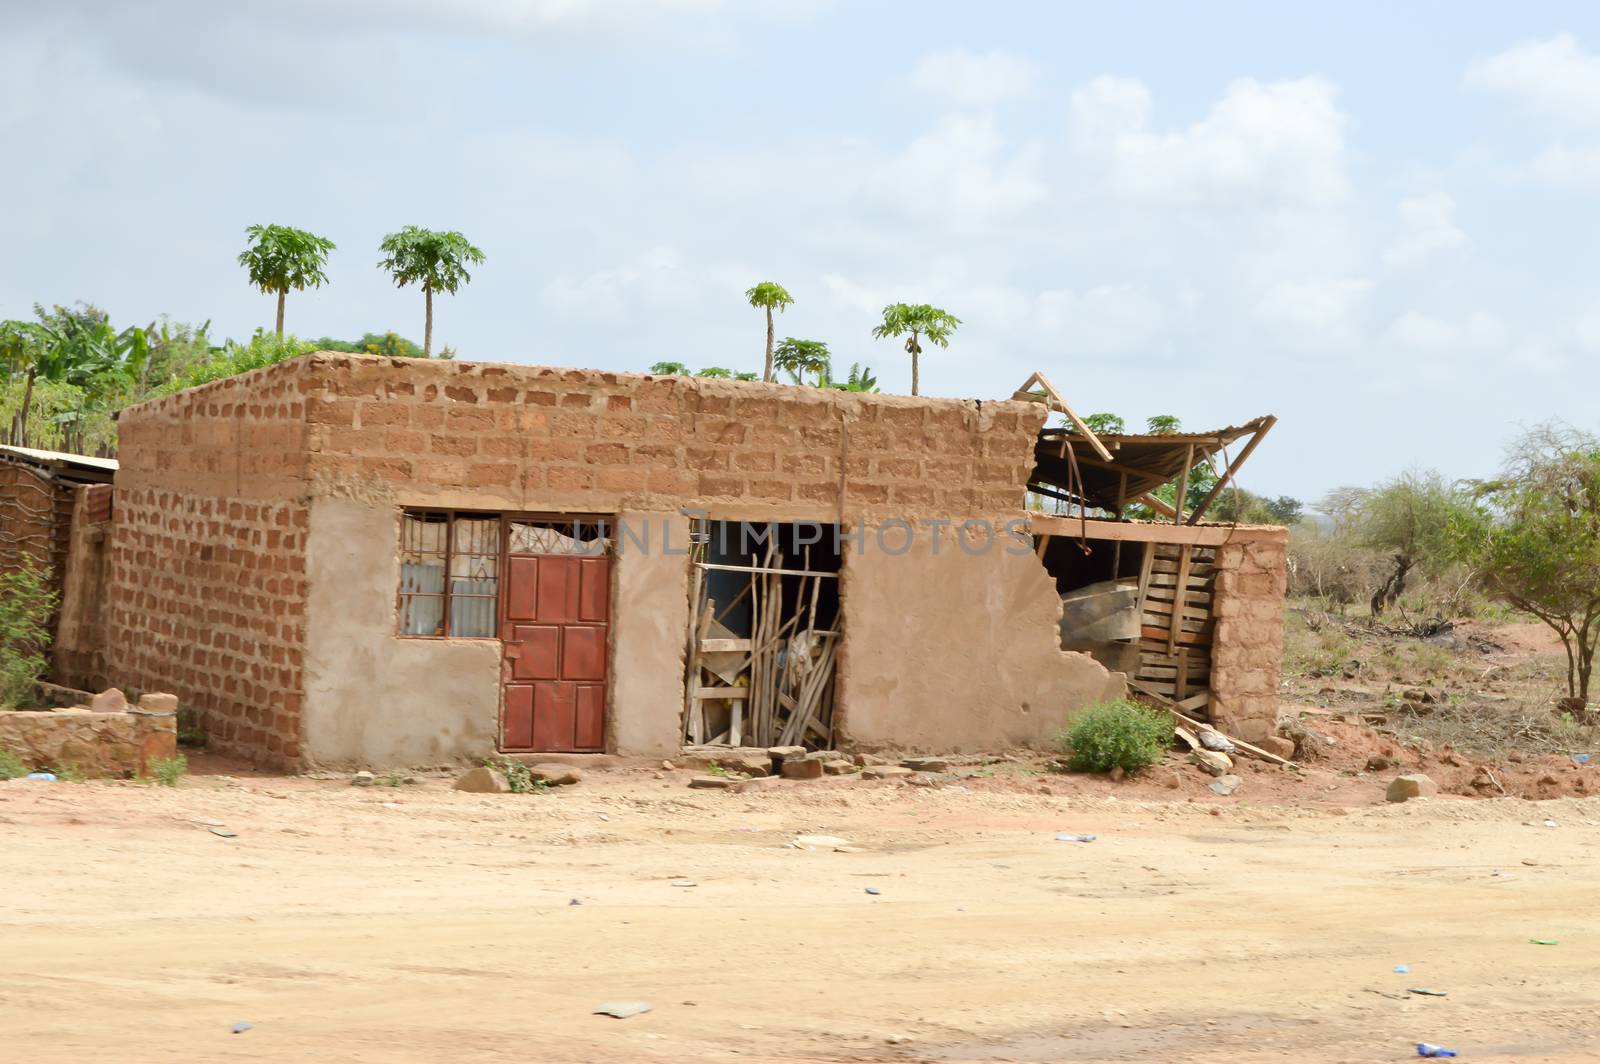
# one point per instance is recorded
(1532, 537)
(1100, 424)
(669, 369)
(916, 322)
(1163, 425)
(769, 296)
(437, 261)
(859, 380)
(1407, 518)
(799, 357)
(718, 373)
(26, 603)
(280, 257)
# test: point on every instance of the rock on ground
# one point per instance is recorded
(554, 774)
(1416, 785)
(1213, 762)
(1226, 785)
(885, 772)
(111, 700)
(482, 780)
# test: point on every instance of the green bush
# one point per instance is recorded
(11, 766)
(1120, 734)
(26, 603)
(167, 771)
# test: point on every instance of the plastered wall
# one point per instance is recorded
(948, 651)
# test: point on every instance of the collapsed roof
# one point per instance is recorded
(1108, 472)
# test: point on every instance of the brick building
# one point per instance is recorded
(347, 559)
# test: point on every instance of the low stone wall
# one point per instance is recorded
(118, 743)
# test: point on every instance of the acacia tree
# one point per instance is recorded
(1534, 541)
(281, 257)
(769, 295)
(916, 322)
(436, 260)
(1407, 518)
(799, 357)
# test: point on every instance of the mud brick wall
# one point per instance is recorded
(1247, 649)
(535, 438)
(79, 655)
(208, 558)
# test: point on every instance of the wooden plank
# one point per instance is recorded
(1157, 505)
(1146, 531)
(1194, 702)
(729, 693)
(1180, 607)
(717, 646)
(761, 569)
(1192, 639)
(1182, 493)
(1144, 575)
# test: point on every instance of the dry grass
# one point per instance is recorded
(1468, 692)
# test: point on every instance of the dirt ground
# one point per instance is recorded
(415, 923)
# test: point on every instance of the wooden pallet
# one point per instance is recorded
(1175, 624)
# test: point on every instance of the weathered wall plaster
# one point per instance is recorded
(649, 627)
(373, 698)
(949, 651)
(96, 744)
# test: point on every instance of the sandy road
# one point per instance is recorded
(417, 924)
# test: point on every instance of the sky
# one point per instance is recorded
(1376, 221)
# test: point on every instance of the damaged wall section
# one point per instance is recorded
(950, 651)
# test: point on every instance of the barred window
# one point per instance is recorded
(449, 574)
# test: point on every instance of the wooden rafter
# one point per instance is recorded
(1058, 404)
(1233, 468)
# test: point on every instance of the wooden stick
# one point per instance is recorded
(759, 569)
(1233, 468)
(1179, 606)
(1072, 415)
(1183, 486)
(1157, 505)
(1171, 707)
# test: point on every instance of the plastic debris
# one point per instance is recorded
(1075, 838)
(48, 777)
(1428, 1049)
(223, 833)
(621, 1010)
(1549, 823)
(684, 883)
(1215, 741)
(1426, 993)
(241, 1027)
(1402, 968)
(1543, 941)
(826, 841)
(1582, 759)
(874, 890)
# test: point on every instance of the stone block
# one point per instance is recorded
(157, 702)
(802, 769)
(111, 700)
(714, 783)
(838, 768)
(1416, 785)
(886, 772)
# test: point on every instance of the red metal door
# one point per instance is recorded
(553, 631)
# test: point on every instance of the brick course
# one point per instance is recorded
(1247, 647)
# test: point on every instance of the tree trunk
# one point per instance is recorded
(427, 327)
(916, 349)
(27, 401)
(281, 294)
(767, 375)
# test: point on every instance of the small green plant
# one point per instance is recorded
(716, 769)
(26, 603)
(1119, 734)
(167, 771)
(392, 779)
(11, 766)
(519, 777)
(68, 772)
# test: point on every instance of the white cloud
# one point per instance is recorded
(1274, 143)
(653, 278)
(1429, 228)
(1563, 166)
(1477, 333)
(977, 79)
(963, 171)
(1318, 312)
(1555, 75)
(1110, 319)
